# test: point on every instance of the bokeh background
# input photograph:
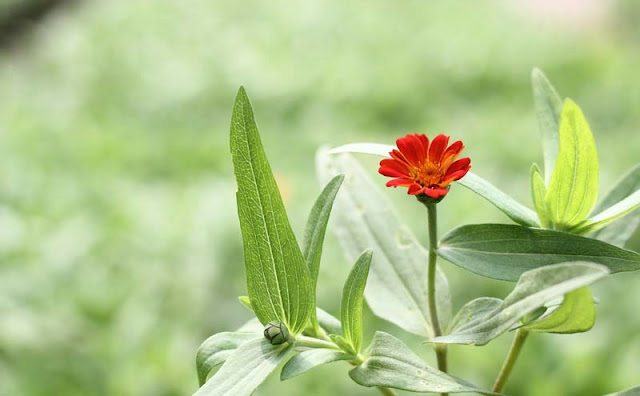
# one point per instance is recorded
(120, 250)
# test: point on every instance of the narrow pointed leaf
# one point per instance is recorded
(328, 322)
(502, 251)
(576, 314)
(619, 232)
(538, 192)
(217, 349)
(622, 208)
(534, 289)
(309, 359)
(573, 188)
(363, 218)
(245, 369)
(277, 275)
(314, 235)
(548, 106)
(352, 300)
(391, 364)
(512, 208)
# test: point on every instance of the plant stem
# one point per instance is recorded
(441, 349)
(311, 342)
(512, 356)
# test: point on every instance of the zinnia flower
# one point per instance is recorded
(425, 168)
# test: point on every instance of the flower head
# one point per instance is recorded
(427, 168)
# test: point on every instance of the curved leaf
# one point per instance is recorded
(534, 289)
(314, 235)
(573, 188)
(504, 251)
(576, 314)
(626, 206)
(391, 364)
(277, 276)
(352, 300)
(216, 349)
(362, 219)
(474, 312)
(538, 192)
(245, 369)
(309, 359)
(548, 106)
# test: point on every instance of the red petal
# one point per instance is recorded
(460, 164)
(415, 189)
(438, 144)
(451, 154)
(425, 143)
(411, 148)
(399, 182)
(392, 168)
(457, 175)
(398, 156)
(436, 192)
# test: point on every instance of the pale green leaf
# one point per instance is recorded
(474, 312)
(309, 359)
(391, 364)
(328, 322)
(216, 349)
(626, 206)
(548, 106)
(245, 369)
(277, 275)
(352, 300)
(576, 314)
(619, 232)
(573, 188)
(246, 301)
(503, 251)
(635, 391)
(314, 235)
(534, 289)
(538, 192)
(363, 218)
(516, 211)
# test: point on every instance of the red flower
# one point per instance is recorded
(425, 168)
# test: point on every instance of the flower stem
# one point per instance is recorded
(311, 342)
(512, 356)
(440, 349)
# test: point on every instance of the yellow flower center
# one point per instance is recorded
(428, 174)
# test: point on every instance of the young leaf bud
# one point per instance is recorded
(276, 333)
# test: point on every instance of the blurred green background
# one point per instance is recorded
(120, 251)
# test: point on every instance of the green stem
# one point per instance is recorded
(440, 349)
(311, 342)
(507, 366)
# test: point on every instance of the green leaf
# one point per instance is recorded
(576, 314)
(245, 369)
(548, 106)
(534, 289)
(217, 349)
(328, 322)
(609, 215)
(352, 300)
(363, 218)
(503, 251)
(277, 276)
(573, 188)
(391, 364)
(619, 232)
(474, 312)
(246, 301)
(306, 360)
(314, 235)
(538, 192)
(516, 211)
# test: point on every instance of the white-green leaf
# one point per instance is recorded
(245, 369)
(352, 300)
(309, 359)
(576, 314)
(619, 232)
(504, 251)
(391, 364)
(539, 192)
(516, 211)
(624, 207)
(573, 188)
(474, 312)
(314, 235)
(328, 322)
(534, 289)
(277, 275)
(635, 391)
(216, 349)
(363, 218)
(548, 106)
